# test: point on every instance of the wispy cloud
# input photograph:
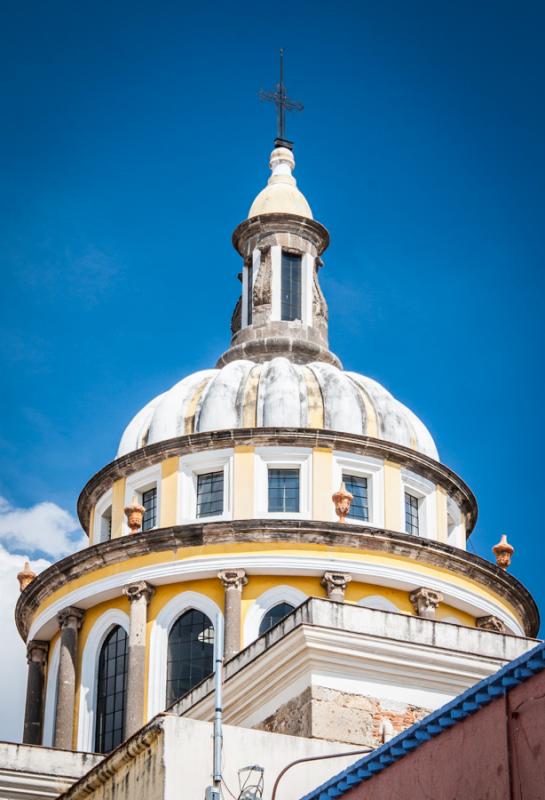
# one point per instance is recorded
(45, 528)
(13, 650)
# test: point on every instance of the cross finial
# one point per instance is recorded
(283, 104)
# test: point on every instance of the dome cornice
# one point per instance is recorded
(301, 532)
(292, 437)
(254, 232)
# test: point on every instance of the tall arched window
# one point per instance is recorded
(111, 691)
(274, 615)
(190, 653)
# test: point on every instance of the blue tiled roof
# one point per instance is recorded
(463, 706)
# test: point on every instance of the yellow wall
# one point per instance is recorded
(168, 512)
(118, 506)
(322, 489)
(243, 491)
(442, 520)
(392, 497)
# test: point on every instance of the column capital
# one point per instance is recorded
(135, 591)
(335, 584)
(70, 617)
(37, 651)
(233, 579)
(491, 623)
(425, 602)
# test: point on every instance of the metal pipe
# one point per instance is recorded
(316, 758)
(218, 681)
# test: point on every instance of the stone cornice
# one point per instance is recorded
(308, 532)
(251, 232)
(288, 437)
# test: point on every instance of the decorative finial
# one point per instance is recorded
(342, 500)
(283, 103)
(26, 576)
(135, 514)
(503, 552)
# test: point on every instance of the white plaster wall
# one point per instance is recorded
(188, 759)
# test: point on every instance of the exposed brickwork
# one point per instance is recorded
(321, 713)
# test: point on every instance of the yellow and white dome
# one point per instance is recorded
(281, 195)
(277, 393)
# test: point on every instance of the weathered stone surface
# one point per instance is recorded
(323, 713)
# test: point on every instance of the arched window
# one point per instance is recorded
(274, 615)
(190, 653)
(111, 691)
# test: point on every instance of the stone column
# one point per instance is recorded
(34, 708)
(233, 580)
(425, 602)
(491, 623)
(335, 584)
(69, 620)
(139, 595)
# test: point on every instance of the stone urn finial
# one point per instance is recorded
(342, 500)
(503, 552)
(26, 576)
(135, 513)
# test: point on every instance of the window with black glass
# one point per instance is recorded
(274, 615)
(249, 291)
(111, 691)
(190, 653)
(210, 494)
(412, 524)
(291, 286)
(284, 490)
(149, 501)
(359, 507)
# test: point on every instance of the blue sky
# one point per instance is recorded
(132, 144)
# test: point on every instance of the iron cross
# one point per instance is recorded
(283, 104)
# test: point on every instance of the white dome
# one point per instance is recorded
(280, 394)
(281, 195)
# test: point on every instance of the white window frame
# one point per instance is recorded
(455, 525)
(101, 507)
(158, 654)
(283, 458)
(425, 492)
(89, 674)
(199, 464)
(363, 467)
(264, 603)
(139, 483)
(50, 709)
(307, 269)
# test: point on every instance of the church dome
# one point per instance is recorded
(281, 195)
(277, 393)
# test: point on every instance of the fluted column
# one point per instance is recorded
(139, 595)
(335, 584)
(34, 708)
(233, 580)
(69, 620)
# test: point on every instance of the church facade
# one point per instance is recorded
(300, 503)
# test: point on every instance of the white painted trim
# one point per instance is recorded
(198, 464)
(394, 576)
(455, 525)
(266, 601)
(307, 269)
(89, 668)
(276, 282)
(425, 491)
(157, 684)
(51, 695)
(283, 458)
(379, 603)
(365, 467)
(101, 506)
(141, 482)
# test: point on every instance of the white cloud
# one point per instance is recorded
(14, 668)
(45, 527)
